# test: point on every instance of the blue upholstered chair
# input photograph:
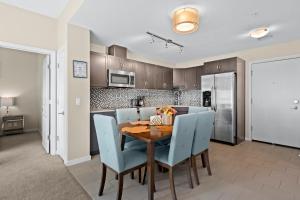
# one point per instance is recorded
(147, 112)
(197, 109)
(203, 131)
(121, 162)
(180, 148)
(125, 115)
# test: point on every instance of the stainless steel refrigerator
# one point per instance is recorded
(219, 93)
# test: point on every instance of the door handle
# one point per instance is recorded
(61, 113)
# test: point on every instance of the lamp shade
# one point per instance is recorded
(185, 20)
(7, 101)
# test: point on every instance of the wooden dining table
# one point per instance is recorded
(148, 134)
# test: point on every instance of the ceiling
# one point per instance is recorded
(50, 8)
(224, 25)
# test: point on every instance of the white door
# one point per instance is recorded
(275, 97)
(46, 104)
(61, 83)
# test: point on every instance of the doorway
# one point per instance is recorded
(276, 101)
(48, 94)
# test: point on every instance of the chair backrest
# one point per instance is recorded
(125, 115)
(204, 129)
(147, 112)
(109, 142)
(197, 109)
(182, 138)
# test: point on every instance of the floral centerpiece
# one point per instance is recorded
(166, 113)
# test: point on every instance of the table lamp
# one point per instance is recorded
(6, 102)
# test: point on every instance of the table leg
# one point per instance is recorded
(150, 170)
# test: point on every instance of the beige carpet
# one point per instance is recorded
(27, 172)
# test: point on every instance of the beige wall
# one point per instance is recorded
(27, 28)
(251, 55)
(78, 48)
(21, 77)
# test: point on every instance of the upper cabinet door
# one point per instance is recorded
(140, 75)
(158, 73)
(150, 78)
(220, 66)
(211, 68)
(228, 65)
(98, 71)
(114, 62)
(167, 78)
(127, 65)
(178, 78)
(190, 77)
(199, 74)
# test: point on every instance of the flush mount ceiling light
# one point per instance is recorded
(259, 32)
(185, 20)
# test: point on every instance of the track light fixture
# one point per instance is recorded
(167, 41)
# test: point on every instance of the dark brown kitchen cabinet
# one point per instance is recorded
(199, 74)
(127, 65)
(190, 78)
(150, 78)
(158, 73)
(98, 70)
(178, 78)
(118, 63)
(210, 68)
(114, 62)
(140, 75)
(220, 66)
(167, 78)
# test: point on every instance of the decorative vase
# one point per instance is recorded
(167, 119)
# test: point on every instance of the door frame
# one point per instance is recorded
(63, 149)
(249, 127)
(52, 101)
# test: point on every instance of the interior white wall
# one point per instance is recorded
(20, 77)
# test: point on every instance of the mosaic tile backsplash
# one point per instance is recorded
(120, 97)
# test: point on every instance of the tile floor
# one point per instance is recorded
(251, 170)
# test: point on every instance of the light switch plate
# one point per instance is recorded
(77, 101)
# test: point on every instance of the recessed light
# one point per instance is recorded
(259, 32)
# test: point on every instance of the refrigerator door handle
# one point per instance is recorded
(212, 98)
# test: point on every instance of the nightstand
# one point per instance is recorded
(12, 124)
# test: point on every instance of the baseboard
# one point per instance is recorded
(248, 139)
(77, 161)
(30, 130)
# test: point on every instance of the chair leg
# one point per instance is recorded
(203, 160)
(132, 175)
(144, 178)
(120, 187)
(102, 180)
(172, 186)
(207, 162)
(194, 165)
(140, 175)
(188, 167)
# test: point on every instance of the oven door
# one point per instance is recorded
(117, 78)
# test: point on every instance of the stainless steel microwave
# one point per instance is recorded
(118, 78)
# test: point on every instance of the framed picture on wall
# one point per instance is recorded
(79, 69)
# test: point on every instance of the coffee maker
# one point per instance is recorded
(140, 101)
